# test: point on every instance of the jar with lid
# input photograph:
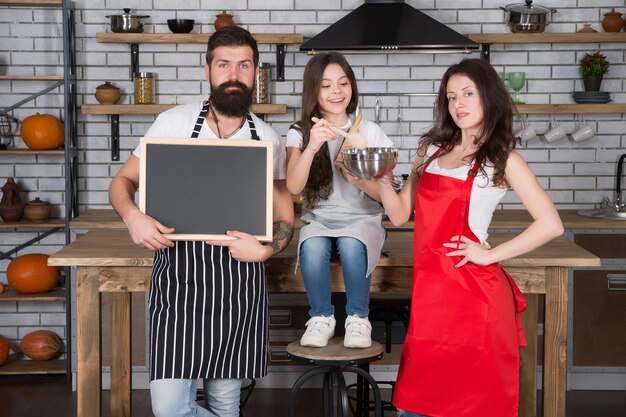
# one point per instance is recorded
(144, 88)
(261, 93)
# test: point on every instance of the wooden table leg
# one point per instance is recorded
(555, 343)
(528, 359)
(120, 354)
(89, 361)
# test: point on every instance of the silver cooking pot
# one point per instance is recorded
(526, 18)
(126, 23)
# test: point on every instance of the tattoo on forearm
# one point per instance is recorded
(283, 233)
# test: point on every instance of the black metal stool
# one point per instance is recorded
(332, 361)
(387, 307)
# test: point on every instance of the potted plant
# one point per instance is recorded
(593, 67)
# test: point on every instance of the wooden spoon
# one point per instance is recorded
(353, 136)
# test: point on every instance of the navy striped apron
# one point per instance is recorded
(208, 311)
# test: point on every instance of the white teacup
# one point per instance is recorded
(526, 134)
(556, 133)
(583, 133)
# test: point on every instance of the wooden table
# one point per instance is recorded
(107, 261)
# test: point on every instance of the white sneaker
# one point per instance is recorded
(319, 330)
(358, 332)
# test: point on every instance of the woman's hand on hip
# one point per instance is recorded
(470, 251)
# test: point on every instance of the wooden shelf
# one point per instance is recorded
(56, 294)
(576, 37)
(202, 38)
(31, 2)
(31, 152)
(571, 108)
(158, 108)
(31, 77)
(14, 366)
(27, 224)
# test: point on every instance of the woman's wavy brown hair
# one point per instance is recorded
(319, 184)
(496, 138)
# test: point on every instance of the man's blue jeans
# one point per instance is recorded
(315, 255)
(177, 398)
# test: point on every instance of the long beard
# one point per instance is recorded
(231, 103)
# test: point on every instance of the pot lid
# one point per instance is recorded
(107, 86)
(127, 15)
(612, 13)
(528, 8)
(37, 202)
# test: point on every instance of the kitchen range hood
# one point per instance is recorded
(388, 26)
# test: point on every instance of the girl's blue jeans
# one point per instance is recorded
(315, 256)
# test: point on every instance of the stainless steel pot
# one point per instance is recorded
(527, 18)
(126, 23)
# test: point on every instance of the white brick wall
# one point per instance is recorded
(577, 175)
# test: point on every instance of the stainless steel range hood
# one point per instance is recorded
(388, 26)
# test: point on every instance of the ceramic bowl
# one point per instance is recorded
(180, 25)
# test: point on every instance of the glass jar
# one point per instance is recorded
(144, 88)
(261, 93)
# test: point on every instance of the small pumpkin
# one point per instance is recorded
(41, 345)
(29, 274)
(1, 288)
(5, 349)
(42, 131)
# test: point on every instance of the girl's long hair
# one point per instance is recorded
(319, 183)
(495, 140)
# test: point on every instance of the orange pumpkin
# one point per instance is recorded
(42, 131)
(1, 288)
(41, 345)
(29, 274)
(5, 349)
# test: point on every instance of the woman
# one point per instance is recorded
(340, 211)
(461, 354)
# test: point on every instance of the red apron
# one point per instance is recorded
(461, 353)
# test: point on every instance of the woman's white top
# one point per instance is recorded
(485, 196)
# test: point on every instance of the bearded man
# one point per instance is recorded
(222, 335)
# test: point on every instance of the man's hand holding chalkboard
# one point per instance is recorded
(147, 232)
(244, 247)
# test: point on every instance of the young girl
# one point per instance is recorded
(461, 354)
(339, 211)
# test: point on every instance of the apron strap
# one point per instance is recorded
(253, 133)
(202, 116)
(200, 121)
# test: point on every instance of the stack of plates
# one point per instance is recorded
(591, 96)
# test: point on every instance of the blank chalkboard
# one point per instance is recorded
(203, 188)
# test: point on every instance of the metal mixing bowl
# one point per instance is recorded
(370, 163)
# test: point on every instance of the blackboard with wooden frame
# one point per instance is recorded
(203, 188)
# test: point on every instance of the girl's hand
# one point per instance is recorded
(346, 174)
(470, 251)
(321, 132)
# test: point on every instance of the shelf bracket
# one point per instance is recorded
(134, 59)
(484, 51)
(8, 255)
(115, 137)
(280, 61)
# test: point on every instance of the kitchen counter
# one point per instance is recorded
(502, 219)
(108, 261)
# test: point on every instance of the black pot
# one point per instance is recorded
(126, 23)
(527, 18)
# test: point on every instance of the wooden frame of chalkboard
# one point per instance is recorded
(203, 188)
